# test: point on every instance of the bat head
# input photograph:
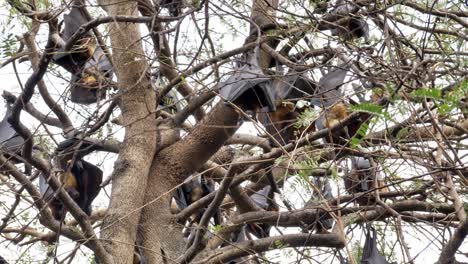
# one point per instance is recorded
(335, 114)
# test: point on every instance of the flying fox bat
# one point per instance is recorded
(329, 97)
(354, 27)
(288, 91)
(370, 252)
(174, 6)
(10, 141)
(87, 88)
(264, 198)
(81, 180)
(249, 88)
(322, 191)
(361, 178)
(83, 49)
(86, 61)
(190, 192)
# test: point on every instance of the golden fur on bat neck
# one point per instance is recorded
(335, 114)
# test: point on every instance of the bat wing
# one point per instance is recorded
(356, 27)
(328, 86)
(284, 86)
(323, 185)
(249, 81)
(370, 253)
(261, 197)
(174, 6)
(9, 139)
(73, 60)
(93, 182)
(293, 86)
(44, 188)
(180, 199)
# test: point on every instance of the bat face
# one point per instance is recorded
(335, 115)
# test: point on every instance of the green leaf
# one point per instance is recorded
(367, 107)
(433, 93)
(306, 118)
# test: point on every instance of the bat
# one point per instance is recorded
(264, 198)
(329, 96)
(361, 178)
(190, 192)
(83, 49)
(87, 62)
(322, 191)
(249, 88)
(80, 180)
(370, 252)
(288, 91)
(174, 6)
(354, 27)
(10, 140)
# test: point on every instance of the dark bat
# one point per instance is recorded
(280, 123)
(138, 253)
(89, 86)
(10, 141)
(89, 66)
(249, 88)
(360, 178)
(324, 191)
(83, 49)
(264, 198)
(354, 27)
(81, 181)
(174, 6)
(190, 192)
(370, 252)
(329, 96)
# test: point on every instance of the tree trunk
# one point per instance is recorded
(137, 105)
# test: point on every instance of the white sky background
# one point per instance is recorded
(417, 243)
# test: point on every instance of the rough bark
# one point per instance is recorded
(136, 104)
(174, 164)
(170, 167)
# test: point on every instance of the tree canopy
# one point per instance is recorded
(262, 131)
